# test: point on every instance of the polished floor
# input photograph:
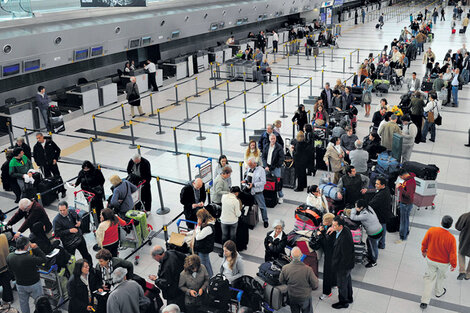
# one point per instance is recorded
(395, 285)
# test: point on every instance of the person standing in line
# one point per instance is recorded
(231, 211)
(363, 15)
(327, 97)
(327, 242)
(20, 143)
(193, 282)
(387, 130)
(151, 69)
(255, 179)
(456, 82)
(204, 238)
(439, 249)
(409, 134)
(302, 153)
(443, 13)
(381, 202)
(127, 296)
(432, 110)
(232, 265)
(275, 242)
(18, 169)
(192, 197)
(406, 190)
(273, 158)
(42, 102)
(416, 113)
(25, 265)
(463, 226)
(139, 170)
(121, 201)
(275, 41)
(33, 213)
(221, 185)
(300, 280)
(342, 262)
(133, 96)
(356, 15)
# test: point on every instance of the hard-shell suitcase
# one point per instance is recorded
(288, 177)
(397, 144)
(424, 171)
(47, 196)
(250, 216)
(377, 26)
(274, 296)
(141, 217)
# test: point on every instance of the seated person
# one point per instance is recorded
(316, 199)
(275, 242)
(265, 69)
(232, 266)
(354, 184)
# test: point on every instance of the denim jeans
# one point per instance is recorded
(405, 210)
(229, 232)
(304, 306)
(429, 127)
(455, 95)
(24, 292)
(259, 198)
(382, 239)
(372, 249)
(420, 47)
(277, 173)
(207, 262)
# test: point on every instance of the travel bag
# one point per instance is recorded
(310, 258)
(302, 225)
(218, 292)
(270, 198)
(329, 191)
(274, 296)
(242, 235)
(319, 154)
(386, 164)
(141, 226)
(424, 171)
(269, 272)
(85, 217)
(44, 187)
(359, 252)
(288, 177)
(250, 215)
(426, 85)
(253, 292)
(308, 214)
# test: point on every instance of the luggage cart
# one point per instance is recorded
(419, 200)
(137, 197)
(54, 282)
(184, 247)
(135, 233)
(82, 202)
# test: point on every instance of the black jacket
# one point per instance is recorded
(382, 205)
(301, 118)
(205, 245)
(277, 158)
(6, 179)
(169, 273)
(274, 247)
(145, 171)
(91, 181)
(377, 118)
(187, 196)
(45, 156)
(343, 251)
(78, 292)
(62, 226)
(324, 97)
(302, 155)
(26, 149)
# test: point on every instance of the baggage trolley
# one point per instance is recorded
(82, 202)
(137, 197)
(54, 282)
(180, 246)
(419, 201)
(134, 234)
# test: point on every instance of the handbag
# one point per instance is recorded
(438, 119)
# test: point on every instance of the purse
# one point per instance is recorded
(438, 119)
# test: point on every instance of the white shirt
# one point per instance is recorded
(275, 37)
(434, 106)
(412, 87)
(455, 81)
(270, 154)
(151, 67)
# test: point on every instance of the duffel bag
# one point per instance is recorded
(270, 272)
(386, 164)
(329, 190)
(308, 214)
(424, 171)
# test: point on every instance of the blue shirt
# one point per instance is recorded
(338, 233)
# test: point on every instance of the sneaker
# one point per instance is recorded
(280, 201)
(445, 290)
(461, 276)
(371, 264)
(423, 306)
(399, 241)
(323, 296)
(266, 224)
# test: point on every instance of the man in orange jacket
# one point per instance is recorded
(440, 248)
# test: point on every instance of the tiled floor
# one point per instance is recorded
(396, 283)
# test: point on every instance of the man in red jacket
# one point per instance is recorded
(406, 190)
(439, 247)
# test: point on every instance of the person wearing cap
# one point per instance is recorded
(275, 242)
(439, 247)
(126, 296)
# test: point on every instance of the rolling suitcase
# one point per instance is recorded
(242, 236)
(270, 198)
(56, 119)
(397, 146)
(274, 296)
(270, 190)
(250, 216)
(288, 177)
(85, 217)
(141, 217)
(47, 197)
(359, 252)
(319, 154)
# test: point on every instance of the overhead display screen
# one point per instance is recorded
(31, 65)
(81, 54)
(113, 3)
(9, 70)
(96, 51)
(134, 43)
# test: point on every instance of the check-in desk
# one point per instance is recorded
(84, 96)
(107, 91)
(201, 61)
(141, 78)
(21, 115)
(283, 35)
(216, 55)
(228, 53)
(269, 43)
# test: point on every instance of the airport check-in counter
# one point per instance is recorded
(141, 79)
(216, 55)
(21, 115)
(283, 35)
(228, 53)
(180, 65)
(201, 61)
(38, 121)
(84, 96)
(269, 43)
(107, 91)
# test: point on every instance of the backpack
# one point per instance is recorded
(219, 292)
(308, 214)
(270, 272)
(253, 293)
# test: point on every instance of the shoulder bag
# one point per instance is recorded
(438, 119)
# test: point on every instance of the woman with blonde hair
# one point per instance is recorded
(252, 151)
(232, 266)
(193, 282)
(339, 85)
(204, 238)
(367, 86)
(121, 200)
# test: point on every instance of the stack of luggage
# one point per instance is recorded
(426, 187)
(273, 185)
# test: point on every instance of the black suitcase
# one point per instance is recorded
(359, 252)
(461, 31)
(319, 154)
(29, 191)
(426, 86)
(288, 177)
(377, 26)
(243, 235)
(270, 198)
(47, 196)
(218, 231)
(85, 224)
(56, 119)
(423, 171)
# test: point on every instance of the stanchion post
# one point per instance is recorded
(244, 81)
(262, 92)
(94, 128)
(92, 151)
(160, 131)
(241, 170)
(201, 137)
(308, 116)
(357, 56)
(132, 145)
(217, 68)
(244, 143)
(176, 95)
(212, 71)
(344, 65)
(210, 98)
(175, 140)
(220, 144)
(332, 55)
(265, 116)
(197, 88)
(293, 130)
(215, 82)
(350, 60)
(290, 77)
(26, 137)
(283, 107)
(162, 210)
(311, 86)
(298, 96)
(322, 77)
(288, 61)
(228, 90)
(323, 53)
(225, 115)
(189, 165)
(10, 134)
(187, 109)
(277, 84)
(151, 106)
(315, 57)
(244, 102)
(298, 57)
(123, 117)
(274, 57)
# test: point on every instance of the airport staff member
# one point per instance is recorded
(42, 101)
(151, 69)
